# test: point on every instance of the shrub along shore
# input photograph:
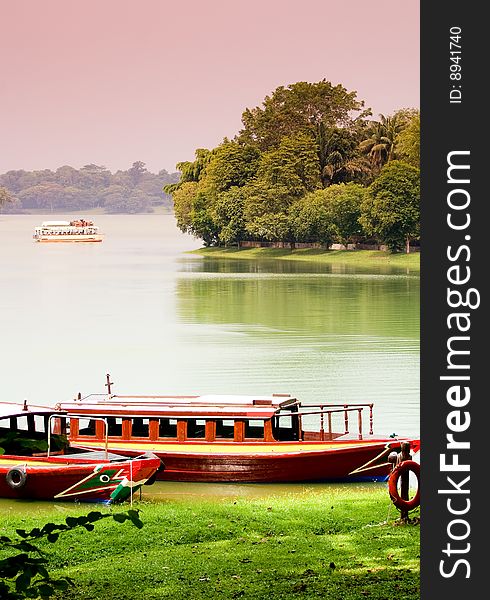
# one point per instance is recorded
(337, 543)
(359, 258)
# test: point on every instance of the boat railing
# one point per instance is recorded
(80, 397)
(88, 417)
(326, 412)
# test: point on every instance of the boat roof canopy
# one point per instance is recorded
(219, 406)
(14, 409)
(55, 223)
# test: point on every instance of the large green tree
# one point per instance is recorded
(229, 216)
(231, 164)
(293, 164)
(284, 175)
(344, 203)
(204, 225)
(309, 218)
(391, 209)
(183, 198)
(190, 171)
(200, 197)
(293, 173)
(271, 227)
(408, 141)
(299, 108)
(329, 215)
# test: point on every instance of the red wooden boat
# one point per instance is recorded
(36, 461)
(237, 438)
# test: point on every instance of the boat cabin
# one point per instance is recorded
(238, 419)
(32, 430)
(79, 227)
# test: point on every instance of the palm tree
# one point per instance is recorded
(380, 145)
(338, 155)
(338, 169)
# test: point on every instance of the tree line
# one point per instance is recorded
(309, 165)
(135, 190)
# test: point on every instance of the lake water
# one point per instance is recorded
(162, 321)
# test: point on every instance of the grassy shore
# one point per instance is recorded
(330, 544)
(359, 258)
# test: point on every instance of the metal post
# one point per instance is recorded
(131, 482)
(405, 477)
(108, 384)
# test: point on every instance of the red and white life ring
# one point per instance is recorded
(403, 467)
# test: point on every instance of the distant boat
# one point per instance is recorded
(67, 231)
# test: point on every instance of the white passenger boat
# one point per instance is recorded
(67, 231)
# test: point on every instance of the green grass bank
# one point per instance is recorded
(330, 544)
(355, 258)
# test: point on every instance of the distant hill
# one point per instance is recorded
(136, 190)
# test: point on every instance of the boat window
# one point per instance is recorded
(39, 423)
(254, 429)
(58, 425)
(225, 428)
(17, 439)
(86, 427)
(114, 426)
(285, 427)
(196, 428)
(22, 424)
(140, 427)
(167, 428)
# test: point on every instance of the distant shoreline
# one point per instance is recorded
(158, 210)
(361, 258)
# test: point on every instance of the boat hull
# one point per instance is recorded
(87, 481)
(270, 463)
(68, 238)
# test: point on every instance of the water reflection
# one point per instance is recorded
(318, 335)
(370, 305)
(208, 264)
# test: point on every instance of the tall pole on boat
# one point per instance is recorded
(109, 383)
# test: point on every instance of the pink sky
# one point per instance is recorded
(114, 81)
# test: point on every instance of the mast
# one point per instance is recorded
(109, 383)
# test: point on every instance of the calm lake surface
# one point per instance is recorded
(162, 321)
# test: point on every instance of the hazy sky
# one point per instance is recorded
(114, 81)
